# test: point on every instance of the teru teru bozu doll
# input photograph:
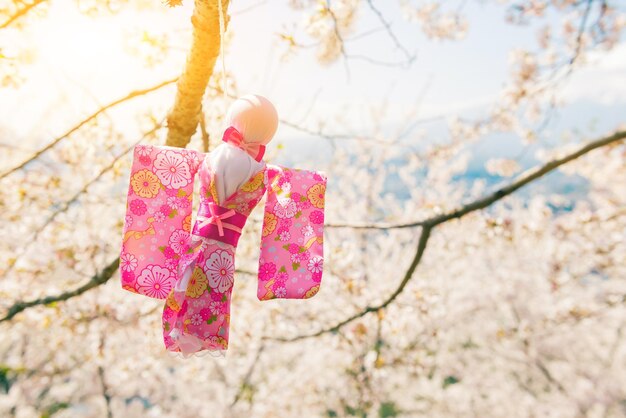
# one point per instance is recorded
(192, 264)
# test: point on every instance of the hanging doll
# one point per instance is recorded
(192, 264)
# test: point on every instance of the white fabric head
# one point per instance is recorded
(255, 117)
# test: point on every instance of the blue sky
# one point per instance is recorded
(447, 76)
(79, 63)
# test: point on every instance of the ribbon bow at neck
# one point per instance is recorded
(216, 219)
(234, 137)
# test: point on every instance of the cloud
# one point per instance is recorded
(602, 81)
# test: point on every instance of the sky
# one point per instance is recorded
(447, 76)
(80, 63)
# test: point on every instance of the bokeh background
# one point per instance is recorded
(413, 108)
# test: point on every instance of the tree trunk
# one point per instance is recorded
(183, 119)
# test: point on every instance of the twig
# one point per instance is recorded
(427, 225)
(246, 380)
(430, 223)
(66, 205)
(522, 180)
(105, 394)
(410, 58)
(20, 13)
(339, 37)
(581, 31)
(249, 8)
(100, 278)
(94, 115)
(407, 276)
(103, 384)
(203, 131)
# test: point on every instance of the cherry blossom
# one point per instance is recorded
(154, 281)
(285, 208)
(315, 264)
(172, 169)
(220, 269)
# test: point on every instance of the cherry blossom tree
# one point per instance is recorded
(452, 298)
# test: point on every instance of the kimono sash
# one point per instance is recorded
(219, 223)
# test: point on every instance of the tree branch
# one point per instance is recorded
(245, 383)
(421, 247)
(581, 31)
(410, 58)
(76, 127)
(97, 280)
(430, 223)
(522, 180)
(105, 388)
(205, 47)
(427, 225)
(66, 205)
(338, 36)
(21, 12)
(100, 278)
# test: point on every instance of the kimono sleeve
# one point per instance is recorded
(291, 259)
(158, 218)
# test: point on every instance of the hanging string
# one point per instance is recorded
(224, 86)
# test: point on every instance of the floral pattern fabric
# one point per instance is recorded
(154, 237)
(161, 259)
(290, 265)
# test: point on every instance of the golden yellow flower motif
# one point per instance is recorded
(187, 223)
(254, 183)
(222, 342)
(316, 195)
(213, 189)
(197, 283)
(269, 223)
(130, 288)
(171, 302)
(145, 183)
(312, 291)
(218, 342)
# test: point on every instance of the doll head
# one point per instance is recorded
(254, 117)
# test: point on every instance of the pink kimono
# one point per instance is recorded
(191, 264)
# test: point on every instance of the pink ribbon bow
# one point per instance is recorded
(217, 219)
(234, 137)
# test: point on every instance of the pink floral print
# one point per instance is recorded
(315, 265)
(317, 217)
(158, 250)
(172, 169)
(138, 207)
(179, 241)
(143, 150)
(128, 277)
(220, 269)
(155, 282)
(267, 271)
(285, 208)
(128, 262)
(291, 259)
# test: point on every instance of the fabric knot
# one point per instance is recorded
(216, 219)
(234, 137)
